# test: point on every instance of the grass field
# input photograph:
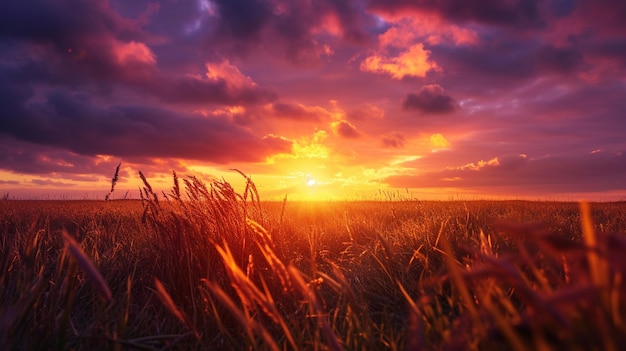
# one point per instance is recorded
(203, 267)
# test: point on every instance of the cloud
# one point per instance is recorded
(277, 142)
(608, 12)
(516, 13)
(345, 129)
(223, 83)
(76, 41)
(9, 182)
(394, 140)
(562, 174)
(414, 62)
(215, 90)
(366, 113)
(298, 112)
(408, 30)
(430, 99)
(58, 22)
(563, 60)
(74, 121)
(29, 158)
(300, 31)
(438, 142)
(230, 74)
(101, 51)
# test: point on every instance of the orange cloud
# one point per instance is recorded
(481, 164)
(413, 62)
(438, 142)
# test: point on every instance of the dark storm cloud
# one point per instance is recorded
(138, 72)
(243, 19)
(73, 121)
(60, 62)
(430, 99)
(59, 22)
(70, 41)
(292, 28)
(86, 44)
(590, 172)
(516, 13)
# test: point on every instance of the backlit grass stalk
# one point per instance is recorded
(598, 265)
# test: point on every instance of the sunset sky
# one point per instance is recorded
(316, 99)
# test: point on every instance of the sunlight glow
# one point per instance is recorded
(310, 181)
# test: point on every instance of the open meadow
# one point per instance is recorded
(204, 267)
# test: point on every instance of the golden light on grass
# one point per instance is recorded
(245, 275)
(87, 267)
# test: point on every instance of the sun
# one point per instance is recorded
(310, 181)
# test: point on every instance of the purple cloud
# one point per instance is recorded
(75, 122)
(293, 29)
(430, 99)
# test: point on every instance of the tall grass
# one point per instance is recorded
(205, 267)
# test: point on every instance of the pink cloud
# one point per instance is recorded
(230, 74)
(299, 112)
(405, 31)
(133, 52)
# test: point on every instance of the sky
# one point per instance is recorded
(316, 99)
